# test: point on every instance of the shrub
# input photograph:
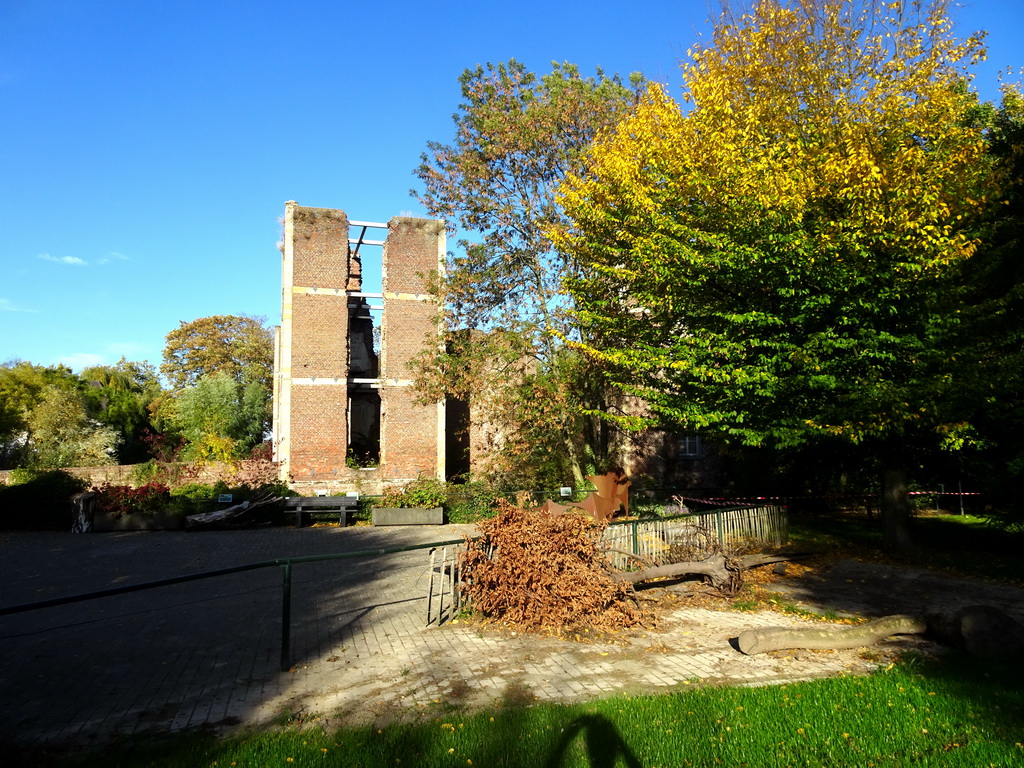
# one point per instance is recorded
(198, 491)
(471, 502)
(50, 485)
(462, 502)
(422, 492)
(120, 500)
(194, 498)
(38, 500)
(197, 498)
(22, 475)
(144, 473)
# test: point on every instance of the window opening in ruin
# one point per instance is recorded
(365, 300)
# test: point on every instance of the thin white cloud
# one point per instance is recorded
(64, 259)
(109, 356)
(112, 256)
(6, 305)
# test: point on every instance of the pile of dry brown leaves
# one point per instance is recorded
(542, 570)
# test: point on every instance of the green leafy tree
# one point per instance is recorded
(772, 265)
(219, 419)
(991, 335)
(62, 434)
(23, 386)
(10, 420)
(516, 136)
(120, 396)
(238, 345)
(240, 348)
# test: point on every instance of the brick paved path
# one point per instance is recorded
(208, 652)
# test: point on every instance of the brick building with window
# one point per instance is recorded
(346, 416)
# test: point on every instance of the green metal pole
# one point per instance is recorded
(286, 616)
(636, 539)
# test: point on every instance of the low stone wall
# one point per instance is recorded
(118, 474)
(366, 482)
(249, 471)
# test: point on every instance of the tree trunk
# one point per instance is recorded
(980, 630)
(895, 508)
(713, 567)
(831, 638)
(575, 463)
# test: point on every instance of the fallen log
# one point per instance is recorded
(719, 571)
(715, 568)
(753, 641)
(755, 561)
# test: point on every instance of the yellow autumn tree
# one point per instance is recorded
(771, 260)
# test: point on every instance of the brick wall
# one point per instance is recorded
(412, 434)
(313, 376)
(312, 433)
(320, 343)
(176, 475)
(319, 434)
(321, 248)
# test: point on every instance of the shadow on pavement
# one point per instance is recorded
(200, 653)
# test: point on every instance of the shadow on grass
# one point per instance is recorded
(604, 745)
(965, 544)
(950, 712)
(987, 690)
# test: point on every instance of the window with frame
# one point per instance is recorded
(689, 447)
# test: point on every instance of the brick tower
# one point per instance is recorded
(337, 402)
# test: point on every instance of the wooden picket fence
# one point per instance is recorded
(661, 540)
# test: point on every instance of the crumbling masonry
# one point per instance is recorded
(346, 416)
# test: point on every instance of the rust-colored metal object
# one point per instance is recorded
(612, 494)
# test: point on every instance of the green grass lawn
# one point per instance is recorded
(966, 545)
(958, 712)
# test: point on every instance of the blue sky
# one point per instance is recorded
(147, 147)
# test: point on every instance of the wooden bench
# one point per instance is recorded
(296, 505)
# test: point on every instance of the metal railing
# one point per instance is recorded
(444, 583)
(285, 563)
(652, 540)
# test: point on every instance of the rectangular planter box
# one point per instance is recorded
(407, 516)
(161, 521)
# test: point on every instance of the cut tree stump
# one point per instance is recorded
(980, 630)
(753, 641)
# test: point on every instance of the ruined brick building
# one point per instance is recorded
(345, 414)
